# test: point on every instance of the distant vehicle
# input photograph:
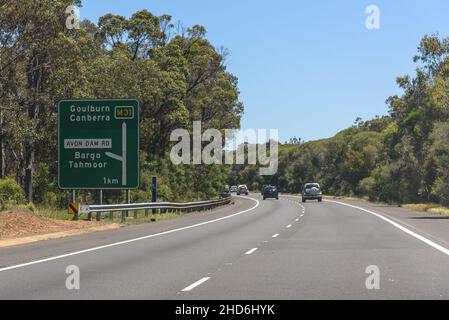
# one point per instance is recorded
(312, 191)
(243, 189)
(226, 192)
(271, 192)
(234, 189)
(263, 188)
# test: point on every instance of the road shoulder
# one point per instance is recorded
(432, 226)
(435, 227)
(37, 250)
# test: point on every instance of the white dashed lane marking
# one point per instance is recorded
(251, 251)
(196, 284)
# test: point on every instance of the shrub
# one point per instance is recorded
(11, 194)
(30, 206)
(50, 199)
(440, 210)
(368, 187)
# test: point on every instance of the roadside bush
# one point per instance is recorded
(140, 196)
(441, 191)
(50, 199)
(367, 187)
(441, 211)
(30, 206)
(11, 194)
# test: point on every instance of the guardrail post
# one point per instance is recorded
(128, 201)
(135, 214)
(98, 216)
(124, 214)
(147, 213)
(111, 215)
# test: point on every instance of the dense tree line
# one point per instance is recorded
(402, 157)
(179, 77)
(176, 73)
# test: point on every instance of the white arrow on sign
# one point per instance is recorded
(121, 158)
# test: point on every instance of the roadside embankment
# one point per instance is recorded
(24, 226)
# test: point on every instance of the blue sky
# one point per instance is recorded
(307, 68)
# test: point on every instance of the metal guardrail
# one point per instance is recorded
(155, 207)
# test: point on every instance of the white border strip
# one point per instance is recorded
(132, 240)
(397, 225)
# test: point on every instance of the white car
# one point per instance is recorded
(243, 189)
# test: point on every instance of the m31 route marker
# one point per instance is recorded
(98, 144)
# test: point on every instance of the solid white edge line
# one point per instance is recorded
(196, 284)
(132, 240)
(399, 226)
(395, 224)
(251, 251)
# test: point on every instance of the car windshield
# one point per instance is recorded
(312, 185)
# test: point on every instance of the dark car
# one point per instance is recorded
(263, 188)
(312, 191)
(271, 192)
(226, 193)
(243, 189)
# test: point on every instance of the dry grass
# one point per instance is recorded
(428, 207)
(423, 207)
(23, 222)
(353, 198)
(440, 210)
(420, 207)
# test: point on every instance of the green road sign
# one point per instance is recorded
(98, 144)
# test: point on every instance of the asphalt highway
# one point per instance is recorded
(253, 249)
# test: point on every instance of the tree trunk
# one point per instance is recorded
(35, 74)
(2, 148)
(29, 171)
(30, 155)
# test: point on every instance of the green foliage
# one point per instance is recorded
(181, 78)
(11, 194)
(178, 79)
(400, 158)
